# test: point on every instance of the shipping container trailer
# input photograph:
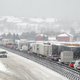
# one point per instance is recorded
(24, 48)
(7, 41)
(20, 44)
(66, 56)
(57, 49)
(35, 48)
(45, 50)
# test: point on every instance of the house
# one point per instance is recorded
(41, 37)
(64, 37)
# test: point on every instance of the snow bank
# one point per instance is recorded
(40, 66)
(3, 68)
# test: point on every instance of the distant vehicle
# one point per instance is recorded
(14, 46)
(9, 45)
(58, 48)
(54, 57)
(3, 54)
(7, 41)
(66, 57)
(24, 48)
(45, 50)
(71, 64)
(77, 64)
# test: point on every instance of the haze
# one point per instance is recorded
(41, 8)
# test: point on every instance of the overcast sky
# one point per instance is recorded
(41, 8)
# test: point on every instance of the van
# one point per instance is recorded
(77, 64)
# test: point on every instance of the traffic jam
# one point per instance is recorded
(63, 53)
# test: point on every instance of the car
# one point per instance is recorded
(3, 54)
(48, 57)
(9, 45)
(14, 46)
(77, 64)
(54, 57)
(71, 64)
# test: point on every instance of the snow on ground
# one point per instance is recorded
(41, 66)
(3, 68)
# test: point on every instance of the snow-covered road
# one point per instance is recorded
(15, 67)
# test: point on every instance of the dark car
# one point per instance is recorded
(14, 46)
(3, 54)
(55, 57)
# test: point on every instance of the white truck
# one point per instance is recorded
(7, 41)
(66, 57)
(35, 48)
(24, 48)
(45, 50)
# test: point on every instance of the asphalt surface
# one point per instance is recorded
(24, 69)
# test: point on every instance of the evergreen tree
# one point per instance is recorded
(3, 35)
(14, 36)
(9, 36)
(17, 37)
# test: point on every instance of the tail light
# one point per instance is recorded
(77, 66)
(52, 57)
(59, 57)
(48, 57)
(44, 57)
(64, 63)
(30, 51)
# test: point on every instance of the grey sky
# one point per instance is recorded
(41, 8)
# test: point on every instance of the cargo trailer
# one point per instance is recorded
(24, 48)
(45, 50)
(6, 42)
(66, 56)
(35, 48)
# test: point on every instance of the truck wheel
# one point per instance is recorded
(6, 56)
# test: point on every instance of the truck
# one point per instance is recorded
(5, 42)
(35, 48)
(66, 57)
(24, 48)
(45, 50)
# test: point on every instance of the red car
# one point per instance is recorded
(71, 64)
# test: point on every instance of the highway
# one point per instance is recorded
(20, 68)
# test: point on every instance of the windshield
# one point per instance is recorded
(3, 52)
(79, 63)
(72, 62)
(55, 56)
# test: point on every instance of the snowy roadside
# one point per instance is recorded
(22, 59)
(33, 67)
(3, 68)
